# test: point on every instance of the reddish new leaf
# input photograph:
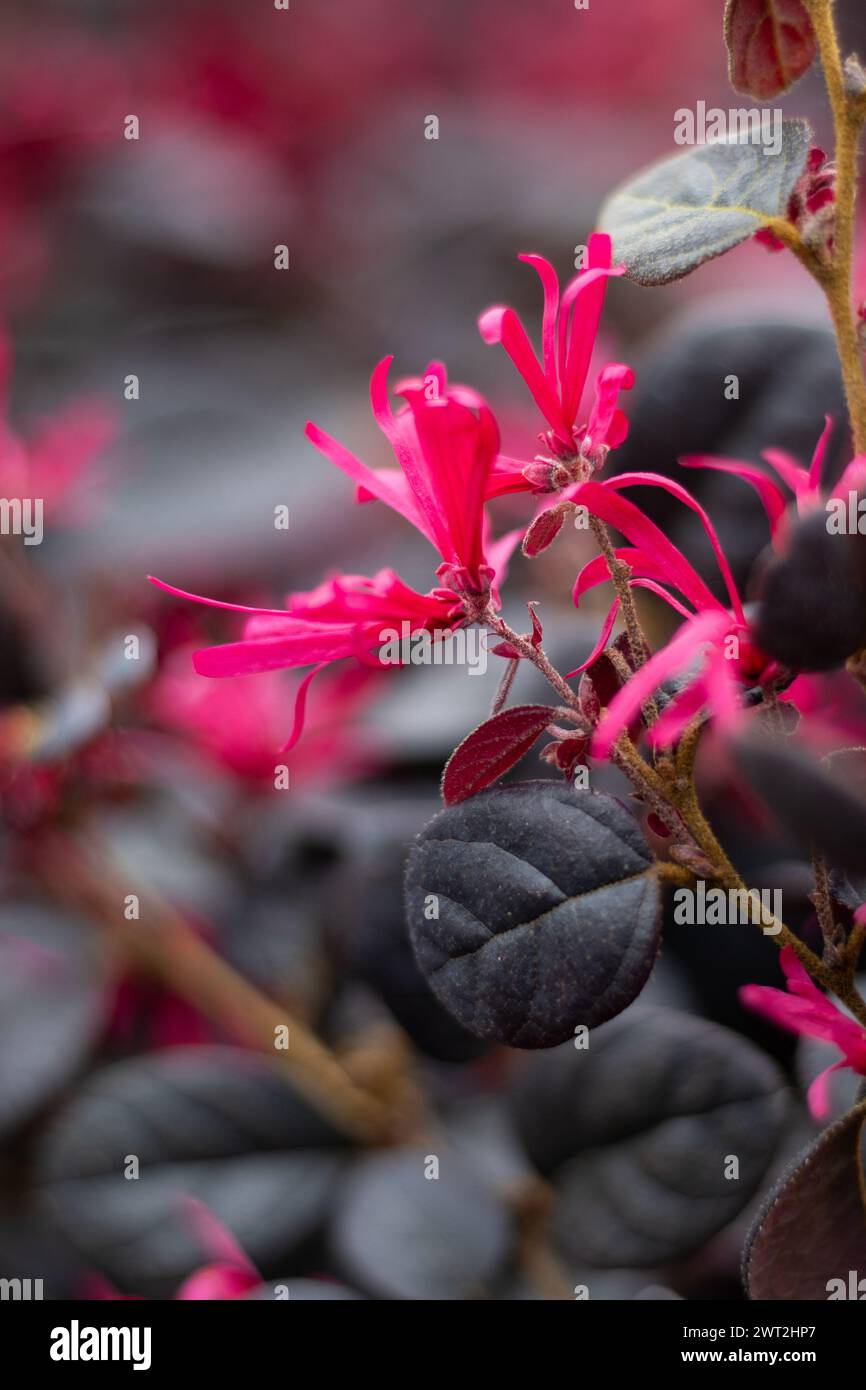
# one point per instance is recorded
(566, 754)
(771, 43)
(489, 751)
(507, 650)
(813, 1227)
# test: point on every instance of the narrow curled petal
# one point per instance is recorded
(301, 708)
(214, 602)
(584, 299)
(788, 469)
(660, 591)
(376, 482)
(604, 635)
(403, 440)
(771, 495)
(682, 495)
(502, 325)
(817, 465)
(805, 1009)
(596, 571)
(644, 575)
(818, 1094)
(672, 566)
(550, 284)
(300, 644)
(679, 713)
(607, 424)
(683, 649)
(723, 683)
(457, 449)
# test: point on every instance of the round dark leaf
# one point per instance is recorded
(811, 611)
(782, 370)
(214, 1123)
(400, 1234)
(813, 1227)
(638, 1131)
(52, 1005)
(383, 957)
(532, 909)
(821, 805)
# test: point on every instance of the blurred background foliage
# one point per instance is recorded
(155, 258)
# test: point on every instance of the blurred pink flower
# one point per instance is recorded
(230, 1275)
(59, 464)
(569, 329)
(240, 721)
(804, 1009)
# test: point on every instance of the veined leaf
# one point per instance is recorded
(688, 209)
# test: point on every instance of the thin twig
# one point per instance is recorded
(163, 943)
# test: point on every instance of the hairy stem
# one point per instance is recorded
(536, 655)
(820, 899)
(504, 688)
(620, 574)
(849, 113)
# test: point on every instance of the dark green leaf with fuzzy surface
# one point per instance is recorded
(533, 908)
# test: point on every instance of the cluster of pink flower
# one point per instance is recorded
(445, 441)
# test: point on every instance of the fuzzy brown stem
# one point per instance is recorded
(536, 655)
(163, 944)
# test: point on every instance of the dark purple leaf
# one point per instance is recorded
(811, 611)
(813, 1227)
(821, 806)
(214, 1123)
(533, 908)
(401, 1234)
(637, 1132)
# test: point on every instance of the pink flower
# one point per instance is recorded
(804, 483)
(445, 439)
(714, 649)
(348, 615)
(804, 1009)
(57, 465)
(569, 328)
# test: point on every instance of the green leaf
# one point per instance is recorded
(686, 210)
(771, 43)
